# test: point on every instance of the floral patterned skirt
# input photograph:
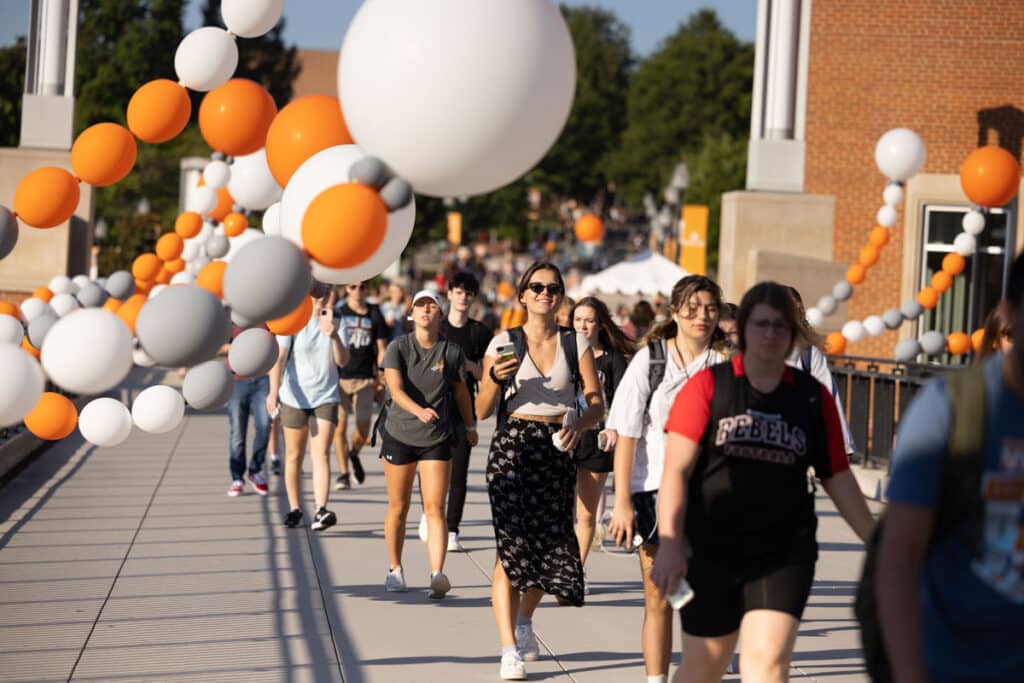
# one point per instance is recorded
(532, 487)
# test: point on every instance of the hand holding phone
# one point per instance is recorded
(505, 365)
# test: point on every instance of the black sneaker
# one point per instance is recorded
(342, 483)
(357, 468)
(275, 467)
(322, 519)
(293, 519)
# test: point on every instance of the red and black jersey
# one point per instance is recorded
(749, 501)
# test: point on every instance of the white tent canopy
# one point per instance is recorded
(646, 274)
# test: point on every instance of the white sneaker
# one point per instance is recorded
(453, 543)
(439, 586)
(394, 582)
(526, 641)
(423, 528)
(512, 667)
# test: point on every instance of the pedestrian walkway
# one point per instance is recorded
(131, 564)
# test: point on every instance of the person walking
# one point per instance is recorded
(741, 438)
(532, 376)
(367, 333)
(395, 310)
(308, 392)
(674, 351)
(426, 384)
(248, 399)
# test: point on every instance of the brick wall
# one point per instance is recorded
(928, 65)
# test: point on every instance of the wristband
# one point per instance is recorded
(494, 378)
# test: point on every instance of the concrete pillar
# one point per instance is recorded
(48, 105)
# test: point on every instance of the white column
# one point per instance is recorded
(48, 105)
(783, 46)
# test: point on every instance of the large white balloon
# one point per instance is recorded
(899, 154)
(22, 384)
(483, 87)
(272, 219)
(158, 409)
(251, 18)
(202, 200)
(206, 58)
(105, 422)
(216, 174)
(252, 184)
(321, 171)
(87, 351)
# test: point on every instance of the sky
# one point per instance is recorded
(650, 21)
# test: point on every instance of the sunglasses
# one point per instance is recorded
(537, 288)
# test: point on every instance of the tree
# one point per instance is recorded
(12, 86)
(718, 166)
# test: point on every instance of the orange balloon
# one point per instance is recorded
(103, 154)
(143, 286)
(188, 224)
(159, 110)
(879, 236)
(235, 117)
(146, 266)
(53, 418)
(977, 337)
(174, 266)
(958, 343)
(169, 246)
(225, 202)
(46, 197)
(293, 322)
(43, 293)
(129, 310)
(112, 304)
(989, 176)
(163, 277)
(835, 343)
(235, 224)
(589, 228)
(211, 278)
(869, 256)
(344, 225)
(7, 308)
(856, 273)
(304, 127)
(928, 298)
(953, 263)
(942, 281)
(28, 347)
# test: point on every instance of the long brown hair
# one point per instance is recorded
(781, 299)
(807, 333)
(682, 292)
(995, 329)
(609, 334)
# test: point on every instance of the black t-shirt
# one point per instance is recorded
(364, 329)
(472, 338)
(611, 366)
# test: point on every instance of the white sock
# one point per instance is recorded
(505, 649)
(663, 678)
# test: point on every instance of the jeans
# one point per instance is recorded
(460, 473)
(249, 398)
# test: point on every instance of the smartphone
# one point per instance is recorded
(505, 351)
(602, 441)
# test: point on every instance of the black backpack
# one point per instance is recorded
(518, 339)
(960, 498)
(655, 371)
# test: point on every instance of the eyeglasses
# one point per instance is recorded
(538, 287)
(776, 326)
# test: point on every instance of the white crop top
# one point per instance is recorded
(536, 394)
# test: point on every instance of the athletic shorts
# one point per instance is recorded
(645, 516)
(398, 453)
(589, 457)
(719, 602)
(357, 397)
(297, 418)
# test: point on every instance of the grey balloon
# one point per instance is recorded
(120, 285)
(842, 290)
(208, 385)
(8, 231)
(892, 318)
(267, 278)
(933, 342)
(40, 327)
(906, 350)
(182, 327)
(911, 310)
(217, 246)
(240, 320)
(396, 193)
(253, 353)
(369, 171)
(92, 296)
(827, 305)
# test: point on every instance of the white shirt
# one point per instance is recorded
(628, 418)
(537, 394)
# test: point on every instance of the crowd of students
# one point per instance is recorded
(717, 421)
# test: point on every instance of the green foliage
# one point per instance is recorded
(719, 165)
(12, 85)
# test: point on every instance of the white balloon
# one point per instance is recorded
(216, 174)
(202, 200)
(87, 351)
(105, 422)
(965, 244)
(899, 153)
(272, 219)
(853, 330)
(252, 185)
(63, 304)
(893, 194)
(157, 289)
(321, 171)
(886, 216)
(973, 222)
(815, 317)
(11, 331)
(206, 58)
(141, 358)
(62, 284)
(236, 243)
(158, 409)
(251, 18)
(81, 281)
(22, 385)
(484, 88)
(874, 325)
(182, 278)
(191, 250)
(32, 308)
(206, 232)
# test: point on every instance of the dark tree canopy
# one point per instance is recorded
(12, 85)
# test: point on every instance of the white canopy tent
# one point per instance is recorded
(646, 274)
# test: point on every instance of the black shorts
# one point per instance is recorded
(589, 457)
(719, 603)
(398, 453)
(645, 511)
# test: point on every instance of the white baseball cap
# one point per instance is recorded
(427, 294)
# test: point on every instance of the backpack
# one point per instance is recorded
(446, 417)
(655, 371)
(960, 498)
(572, 358)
